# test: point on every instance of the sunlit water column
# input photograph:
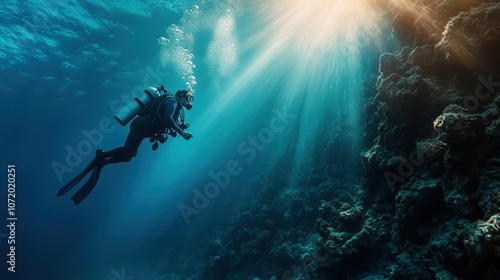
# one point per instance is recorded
(302, 56)
(311, 56)
(299, 55)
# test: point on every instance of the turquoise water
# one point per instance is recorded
(273, 82)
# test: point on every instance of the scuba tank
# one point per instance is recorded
(142, 105)
(127, 113)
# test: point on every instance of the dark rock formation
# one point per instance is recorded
(457, 126)
(432, 168)
(471, 39)
(484, 239)
(429, 202)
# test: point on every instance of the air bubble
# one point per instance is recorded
(162, 41)
(177, 52)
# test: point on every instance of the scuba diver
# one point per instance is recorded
(156, 114)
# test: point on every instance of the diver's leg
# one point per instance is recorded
(138, 131)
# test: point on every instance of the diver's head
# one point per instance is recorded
(186, 97)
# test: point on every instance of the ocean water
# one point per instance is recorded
(274, 83)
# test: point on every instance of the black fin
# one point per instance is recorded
(85, 190)
(98, 157)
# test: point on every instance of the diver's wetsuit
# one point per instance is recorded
(162, 116)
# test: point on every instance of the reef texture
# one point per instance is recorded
(432, 171)
(428, 204)
(272, 236)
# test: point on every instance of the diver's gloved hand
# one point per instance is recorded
(186, 135)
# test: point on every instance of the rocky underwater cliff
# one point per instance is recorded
(428, 203)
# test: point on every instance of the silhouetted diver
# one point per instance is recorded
(157, 115)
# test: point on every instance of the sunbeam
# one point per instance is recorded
(313, 51)
(302, 58)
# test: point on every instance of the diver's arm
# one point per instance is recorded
(168, 115)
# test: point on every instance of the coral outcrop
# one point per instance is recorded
(427, 205)
(484, 239)
(430, 190)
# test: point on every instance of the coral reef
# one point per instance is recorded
(427, 205)
(273, 230)
(471, 39)
(457, 125)
(484, 239)
(438, 142)
(431, 163)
